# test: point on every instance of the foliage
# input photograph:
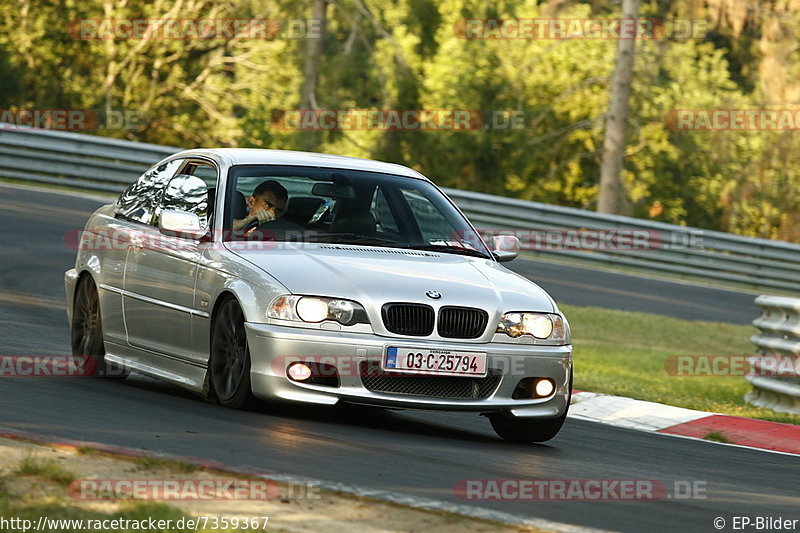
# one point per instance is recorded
(410, 54)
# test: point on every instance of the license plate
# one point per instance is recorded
(434, 362)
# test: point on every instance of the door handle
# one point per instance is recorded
(137, 240)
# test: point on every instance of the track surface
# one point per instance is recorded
(598, 288)
(423, 454)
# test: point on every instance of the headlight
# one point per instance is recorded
(312, 309)
(537, 325)
(315, 309)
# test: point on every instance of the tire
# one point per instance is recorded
(229, 362)
(527, 429)
(86, 332)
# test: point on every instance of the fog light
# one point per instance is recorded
(545, 387)
(534, 388)
(299, 371)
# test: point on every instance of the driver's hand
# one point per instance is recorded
(264, 215)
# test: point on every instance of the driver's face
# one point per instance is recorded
(267, 201)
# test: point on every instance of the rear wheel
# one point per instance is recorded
(229, 364)
(87, 332)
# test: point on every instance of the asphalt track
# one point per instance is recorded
(418, 453)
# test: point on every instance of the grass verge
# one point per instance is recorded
(49, 469)
(625, 353)
(32, 488)
(44, 496)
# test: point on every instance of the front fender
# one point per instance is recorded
(70, 282)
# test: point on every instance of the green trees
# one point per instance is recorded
(543, 100)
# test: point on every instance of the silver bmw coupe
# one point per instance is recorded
(300, 277)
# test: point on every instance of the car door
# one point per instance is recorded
(160, 271)
(133, 211)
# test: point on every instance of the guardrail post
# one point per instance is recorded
(775, 375)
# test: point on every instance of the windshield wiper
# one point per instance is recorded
(353, 238)
(448, 249)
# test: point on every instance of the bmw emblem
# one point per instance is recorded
(433, 295)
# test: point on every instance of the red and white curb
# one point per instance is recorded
(655, 417)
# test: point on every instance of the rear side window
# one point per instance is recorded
(139, 201)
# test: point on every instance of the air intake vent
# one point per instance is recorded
(453, 388)
(462, 322)
(408, 319)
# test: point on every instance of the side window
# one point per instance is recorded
(204, 171)
(139, 201)
(383, 213)
(192, 190)
(207, 173)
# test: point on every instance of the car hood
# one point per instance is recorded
(376, 275)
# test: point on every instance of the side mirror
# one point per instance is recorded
(181, 224)
(504, 248)
(184, 207)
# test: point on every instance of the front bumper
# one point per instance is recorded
(70, 281)
(273, 348)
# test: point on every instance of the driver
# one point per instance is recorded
(267, 203)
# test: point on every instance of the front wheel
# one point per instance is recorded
(229, 364)
(529, 429)
(526, 430)
(87, 332)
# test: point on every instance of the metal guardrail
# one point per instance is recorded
(678, 250)
(74, 160)
(776, 380)
(108, 165)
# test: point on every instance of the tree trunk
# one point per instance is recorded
(613, 196)
(313, 58)
(310, 140)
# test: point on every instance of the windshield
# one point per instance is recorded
(345, 207)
